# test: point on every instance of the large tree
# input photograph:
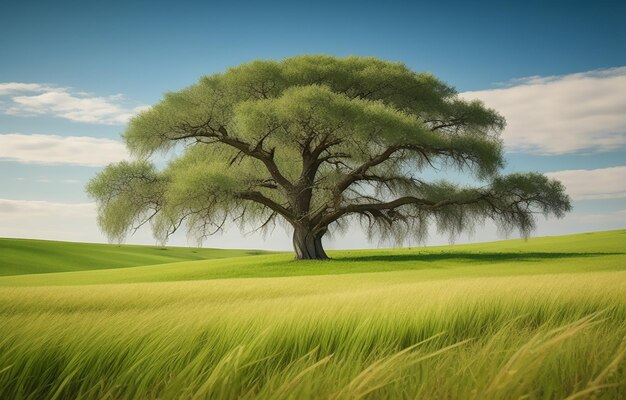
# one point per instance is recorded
(318, 141)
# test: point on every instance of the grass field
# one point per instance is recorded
(26, 256)
(505, 320)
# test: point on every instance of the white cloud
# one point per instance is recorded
(47, 180)
(28, 99)
(29, 208)
(13, 87)
(593, 184)
(617, 217)
(562, 114)
(49, 220)
(52, 149)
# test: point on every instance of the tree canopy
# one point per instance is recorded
(317, 142)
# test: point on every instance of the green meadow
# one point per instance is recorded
(27, 256)
(537, 319)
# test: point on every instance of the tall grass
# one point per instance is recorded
(377, 335)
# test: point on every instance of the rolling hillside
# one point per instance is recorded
(28, 256)
(589, 252)
(542, 319)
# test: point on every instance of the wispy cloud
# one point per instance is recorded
(52, 149)
(48, 180)
(35, 219)
(616, 217)
(17, 87)
(593, 184)
(582, 112)
(25, 208)
(30, 99)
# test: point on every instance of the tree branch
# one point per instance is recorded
(266, 157)
(254, 151)
(390, 205)
(269, 203)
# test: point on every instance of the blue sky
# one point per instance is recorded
(556, 70)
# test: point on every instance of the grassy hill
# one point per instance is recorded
(28, 256)
(542, 319)
(589, 252)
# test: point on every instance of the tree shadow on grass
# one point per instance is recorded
(470, 257)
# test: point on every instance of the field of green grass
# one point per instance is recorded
(542, 319)
(27, 256)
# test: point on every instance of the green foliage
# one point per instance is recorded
(127, 192)
(317, 141)
(491, 322)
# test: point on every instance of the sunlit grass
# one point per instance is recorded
(453, 330)
(28, 256)
(575, 253)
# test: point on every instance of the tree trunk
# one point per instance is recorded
(308, 245)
